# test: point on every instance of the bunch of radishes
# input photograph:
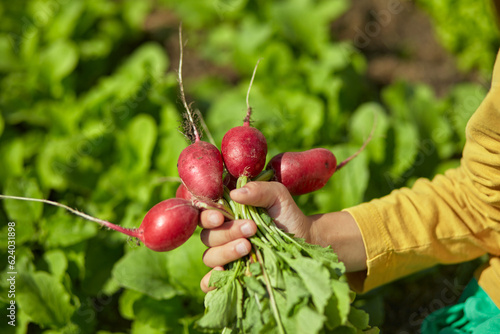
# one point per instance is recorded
(205, 171)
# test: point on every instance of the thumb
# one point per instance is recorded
(275, 198)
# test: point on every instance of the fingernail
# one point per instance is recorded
(213, 218)
(241, 249)
(246, 230)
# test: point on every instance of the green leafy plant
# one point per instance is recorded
(468, 31)
(89, 117)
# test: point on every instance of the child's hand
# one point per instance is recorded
(227, 239)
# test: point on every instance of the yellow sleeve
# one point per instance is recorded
(451, 219)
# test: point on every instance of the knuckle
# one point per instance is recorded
(234, 232)
(205, 257)
(204, 234)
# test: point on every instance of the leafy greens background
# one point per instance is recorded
(90, 117)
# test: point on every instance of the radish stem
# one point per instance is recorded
(265, 175)
(214, 206)
(269, 291)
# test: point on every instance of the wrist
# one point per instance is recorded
(340, 231)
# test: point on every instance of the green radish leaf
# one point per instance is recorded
(11, 165)
(139, 327)
(333, 314)
(324, 255)
(315, 278)
(57, 261)
(428, 113)
(395, 97)
(126, 303)
(303, 23)
(220, 306)
(44, 299)
(310, 113)
(223, 116)
(220, 278)
(252, 284)
(64, 229)
(8, 61)
(141, 135)
(185, 266)
(170, 141)
(447, 165)
(69, 328)
(342, 294)
(76, 255)
(98, 271)
(159, 314)
(254, 36)
(465, 99)
(63, 25)
(58, 60)
(360, 127)
(406, 147)
(135, 12)
(309, 321)
(23, 213)
(97, 47)
(278, 62)
(347, 186)
(358, 318)
(145, 271)
(146, 61)
(2, 124)
(254, 316)
(295, 290)
(54, 163)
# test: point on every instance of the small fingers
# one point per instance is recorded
(227, 232)
(211, 219)
(229, 252)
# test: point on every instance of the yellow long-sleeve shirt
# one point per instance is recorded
(453, 218)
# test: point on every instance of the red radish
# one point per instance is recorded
(200, 164)
(244, 148)
(308, 171)
(230, 181)
(183, 192)
(166, 226)
(244, 151)
(200, 169)
(303, 172)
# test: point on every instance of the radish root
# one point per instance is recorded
(127, 231)
(190, 118)
(246, 121)
(343, 163)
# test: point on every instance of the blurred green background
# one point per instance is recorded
(90, 117)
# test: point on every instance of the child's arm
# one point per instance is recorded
(453, 218)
